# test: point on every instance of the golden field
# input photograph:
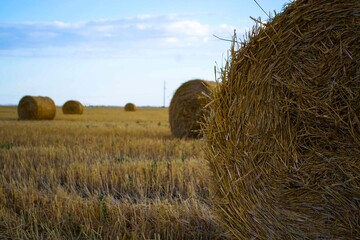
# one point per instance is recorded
(106, 174)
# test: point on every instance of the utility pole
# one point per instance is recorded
(164, 94)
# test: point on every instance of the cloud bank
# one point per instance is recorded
(112, 38)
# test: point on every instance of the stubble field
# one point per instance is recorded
(106, 174)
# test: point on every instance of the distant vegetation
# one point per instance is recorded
(101, 175)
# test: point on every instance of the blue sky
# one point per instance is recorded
(110, 52)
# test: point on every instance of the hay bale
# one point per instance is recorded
(73, 107)
(130, 107)
(36, 108)
(186, 110)
(283, 131)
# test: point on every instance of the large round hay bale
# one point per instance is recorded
(73, 107)
(36, 108)
(284, 131)
(186, 110)
(130, 107)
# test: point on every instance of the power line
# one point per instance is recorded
(164, 94)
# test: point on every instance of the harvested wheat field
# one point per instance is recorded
(101, 175)
(283, 130)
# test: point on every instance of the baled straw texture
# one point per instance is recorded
(130, 107)
(284, 131)
(186, 109)
(36, 108)
(73, 107)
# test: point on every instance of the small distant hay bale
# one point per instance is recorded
(73, 107)
(283, 130)
(36, 108)
(186, 110)
(130, 107)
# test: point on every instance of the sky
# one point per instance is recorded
(111, 52)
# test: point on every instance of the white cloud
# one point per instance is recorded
(142, 26)
(106, 35)
(57, 25)
(171, 40)
(42, 35)
(104, 28)
(188, 28)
